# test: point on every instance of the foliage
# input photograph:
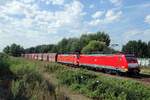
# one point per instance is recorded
(71, 44)
(62, 45)
(53, 67)
(14, 50)
(32, 86)
(100, 36)
(41, 49)
(140, 48)
(94, 46)
(145, 70)
(148, 49)
(28, 83)
(101, 87)
(4, 66)
(3, 59)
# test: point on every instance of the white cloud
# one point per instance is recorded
(133, 32)
(110, 17)
(116, 2)
(147, 19)
(95, 22)
(54, 2)
(136, 34)
(28, 1)
(97, 14)
(70, 16)
(18, 8)
(30, 23)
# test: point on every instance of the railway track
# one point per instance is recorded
(142, 77)
(145, 78)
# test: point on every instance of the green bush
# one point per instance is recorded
(145, 70)
(54, 67)
(4, 65)
(100, 86)
(32, 86)
(96, 86)
(69, 77)
(3, 61)
(29, 84)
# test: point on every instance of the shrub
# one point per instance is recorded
(54, 67)
(32, 86)
(103, 87)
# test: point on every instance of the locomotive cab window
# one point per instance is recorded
(131, 59)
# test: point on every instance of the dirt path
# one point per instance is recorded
(51, 78)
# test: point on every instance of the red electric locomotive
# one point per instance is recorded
(116, 62)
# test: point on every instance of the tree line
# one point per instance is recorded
(98, 42)
(87, 43)
(139, 48)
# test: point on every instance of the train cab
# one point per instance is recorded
(132, 63)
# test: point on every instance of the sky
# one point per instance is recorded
(35, 22)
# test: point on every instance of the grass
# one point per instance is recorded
(99, 86)
(27, 83)
(145, 70)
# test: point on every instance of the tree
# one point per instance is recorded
(14, 50)
(75, 46)
(137, 47)
(62, 46)
(130, 47)
(94, 46)
(83, 41)
(71, 44)
(41, 49)
(30, 50)
(7, 50)
(54, 49)
(100, 36)
(148, 47)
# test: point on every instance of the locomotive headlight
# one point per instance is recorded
(123, 66)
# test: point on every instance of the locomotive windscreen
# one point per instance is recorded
(131, 58)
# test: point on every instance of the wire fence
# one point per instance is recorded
(144, 62)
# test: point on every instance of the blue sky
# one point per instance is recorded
(35, 22)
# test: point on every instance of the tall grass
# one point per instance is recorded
(28, 83)
(32, 86)
(4, 66)
(100, 87)
(145, 70)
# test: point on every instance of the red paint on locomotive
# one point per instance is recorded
(67, 58)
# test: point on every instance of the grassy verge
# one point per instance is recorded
(100, 86)
(27, 83)
(145, 70)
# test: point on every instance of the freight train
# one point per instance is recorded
(105, 62)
